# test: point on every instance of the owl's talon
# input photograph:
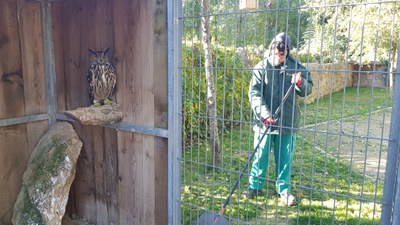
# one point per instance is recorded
(96, 103)
(107, 101)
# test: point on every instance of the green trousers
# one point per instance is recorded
(284, 146)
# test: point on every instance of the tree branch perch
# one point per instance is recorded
(96, 115)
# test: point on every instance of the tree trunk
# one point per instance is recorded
(211, 97)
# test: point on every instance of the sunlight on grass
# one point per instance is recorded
(329, 189)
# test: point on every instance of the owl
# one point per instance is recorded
(101, 77)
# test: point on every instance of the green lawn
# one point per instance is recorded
(330, 191)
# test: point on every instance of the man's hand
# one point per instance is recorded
(269, 121)
(296, 79)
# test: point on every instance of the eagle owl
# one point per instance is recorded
(101, 77)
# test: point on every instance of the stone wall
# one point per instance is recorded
(330, 77)
(371, 75)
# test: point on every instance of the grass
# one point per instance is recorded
(330, 190)
(346, 103)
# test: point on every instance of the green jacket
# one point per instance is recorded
(268, 86)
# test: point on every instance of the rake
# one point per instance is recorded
(210, 218)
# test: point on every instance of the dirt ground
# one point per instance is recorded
(361, 141)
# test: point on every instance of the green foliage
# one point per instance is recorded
(357, 32)
(231, 81)
(323, 30)
(231, 27)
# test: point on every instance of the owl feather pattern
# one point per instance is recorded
(101, 77)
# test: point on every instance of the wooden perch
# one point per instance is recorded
(96, 115)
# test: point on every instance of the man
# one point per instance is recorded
(270, 81)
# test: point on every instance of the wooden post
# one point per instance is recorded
(248, 4)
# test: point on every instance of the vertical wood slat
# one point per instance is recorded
(14, 148)
(82, 25)
(13, 139)
(73, 43)
(99, 156)
(160, 65)
(31, 34)
(99, 37)
(134, 53)
(111, 175)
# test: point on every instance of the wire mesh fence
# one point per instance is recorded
(337, 145)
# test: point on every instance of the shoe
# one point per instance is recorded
(251, 193)
(288, 199)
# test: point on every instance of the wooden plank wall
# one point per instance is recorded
(22, 92)
(122, 176)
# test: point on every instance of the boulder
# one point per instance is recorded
(47, 180)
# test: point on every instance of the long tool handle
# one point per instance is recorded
(278, 110)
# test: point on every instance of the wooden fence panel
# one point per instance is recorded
(33, 62)
(82, 25)
(133, 25)
(121, 176)
(15, 142)
(160, 64)
(96, 193)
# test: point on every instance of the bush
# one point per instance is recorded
(232, 81)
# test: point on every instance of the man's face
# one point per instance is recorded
(277, 57)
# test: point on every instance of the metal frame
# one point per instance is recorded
(23, 119)
(174, 109)
(391, 191)
(50, 67)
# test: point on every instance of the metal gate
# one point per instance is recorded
(345, 165)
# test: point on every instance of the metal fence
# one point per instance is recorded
(345, 164)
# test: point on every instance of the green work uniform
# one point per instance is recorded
(267, 87)
(283, 152)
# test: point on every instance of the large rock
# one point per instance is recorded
(48, 178)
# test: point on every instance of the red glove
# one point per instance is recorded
(296, 78)
(269, 121)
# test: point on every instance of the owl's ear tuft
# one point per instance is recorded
(92, 51)
(105, 51)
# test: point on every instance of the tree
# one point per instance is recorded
(231, 27)
(211, 96)
(347, 31)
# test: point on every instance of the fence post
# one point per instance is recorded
(174, 110)
(389, 195)
(396, 98)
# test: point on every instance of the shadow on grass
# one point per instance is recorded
(325, 215)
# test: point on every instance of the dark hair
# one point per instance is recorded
(281, 47)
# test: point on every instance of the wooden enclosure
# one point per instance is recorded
(122, 176)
